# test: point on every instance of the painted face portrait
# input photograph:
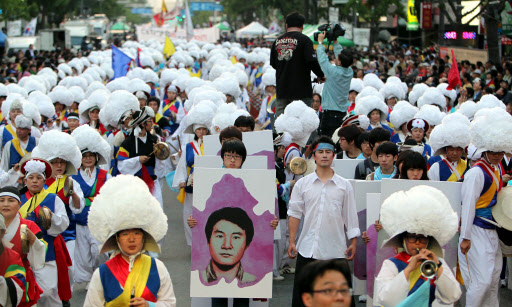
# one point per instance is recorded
(227, 243)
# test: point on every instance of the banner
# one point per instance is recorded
(146, 32)
(412, 19)
(472, 55)
(426, 15)
(30, 29)
(362, 37)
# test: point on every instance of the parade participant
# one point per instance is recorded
(245, 123)
(53, 278)
(449, 141)
(314, 198)
(95, 151)
(162, 125)
(130, 277)
(449, 95)
(413, 167)
(25, 238)
(418, 128)
(370, 164)
(117, 115)
(321, 281)
(420, 221)
(135, 155)
(387, 154)
(268, 106)
(335, 90)
(392, 93)
(12, 273)
(4, 92)
(199, 119)
(89, 110)
(62, 99)
(18, 147)
(171, 107)
(402, 113)
(348, 136)
(432, 116)
(480, 254)
(73, 122)
(356, 86)
(376, 110)
(141, 90)
(293, 57)
(13, 107)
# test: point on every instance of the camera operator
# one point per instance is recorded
(293, 57)
(335, 93)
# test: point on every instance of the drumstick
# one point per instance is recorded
(179, 142)
(173, 147)
(470, 279)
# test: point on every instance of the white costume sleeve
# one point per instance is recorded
(12, 179)
(95, 297)
(181, 170)
(60, 220)
(78, 190)
(2, 137)
(391, 287)
(263, 111)
(5, 299)
(447, 287)
(6, 157)
(129, 166)
(35, 132)
(433, 172)
(37, 255)
(160, 166)
(470, 192)
(165, 296)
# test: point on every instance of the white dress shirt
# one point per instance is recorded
(328, 210)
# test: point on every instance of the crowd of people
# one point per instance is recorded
(79, 143)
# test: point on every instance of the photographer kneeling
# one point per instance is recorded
(335, 93)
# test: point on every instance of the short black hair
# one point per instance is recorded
(414, 160)
(322, 139)
(245, 121)
(10, 189)
(234, 146)
(153, 98)
(233, 215)
(230, 132)
(313, 270)
(294, 19)
(350, 133)
(387, 148)
(363, 137)
(471, 91)
(346, 58)
(378, 135)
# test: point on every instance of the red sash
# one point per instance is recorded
(63, 261)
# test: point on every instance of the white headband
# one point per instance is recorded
(418, 123)
(10, 194)
(73, 117)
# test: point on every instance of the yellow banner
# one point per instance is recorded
(412, 18)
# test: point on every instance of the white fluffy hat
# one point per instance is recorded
(432, 96)
(15, 88)
(451, 94)
(23, 121)
(368, 91)
(299, 121)
(356, 84)
(131, 196)
(140, 88)
(31, 111)
(269, 77)
(201, 114)
(373, 81)
(44, 104)
(96, 100)
(226, 115)
(74, 81)
(33, 85)
(3, 90)
(78, 93)
(390, 90)
(367, 104)
(121, 83)
(431, 114)
(492, 131)
(118, 104)
(417, 92)
(55, 144)
(421, 210)
(454, 131)
(468, 109)
(62, 95)
(227, 86)
(402, 113)
(489, 101)
(89, 140)
(13, 101)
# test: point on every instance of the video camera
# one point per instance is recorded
(331, 32)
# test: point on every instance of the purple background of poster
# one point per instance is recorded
(360, 258)
(231, 192)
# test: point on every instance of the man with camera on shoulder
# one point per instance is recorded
(335, 92)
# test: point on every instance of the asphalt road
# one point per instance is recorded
(176, 256)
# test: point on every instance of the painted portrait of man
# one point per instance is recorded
(229, 232)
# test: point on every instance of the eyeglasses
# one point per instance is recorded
(230, 156)
(58, 162)
(333, 292)
(414, 239)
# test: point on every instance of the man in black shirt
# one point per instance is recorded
(293, 57)
(369, 165)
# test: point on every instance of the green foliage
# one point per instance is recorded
(372, 10)
(17, 9)
(201, 17)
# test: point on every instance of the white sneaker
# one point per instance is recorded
(362, 298)
(278, 278)
(287, 270)
(503, 283)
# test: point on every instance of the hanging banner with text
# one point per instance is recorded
(362, 37)
(412, 18)
(426, 16)
(209, 35)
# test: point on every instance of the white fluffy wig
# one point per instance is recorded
(491, 131)
(402, 113)
(299, 121)
(55, 144)
(421, 210)
(88, 139)
(125, 202)
(454, 131)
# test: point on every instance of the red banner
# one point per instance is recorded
(505, 40)
(426, 15)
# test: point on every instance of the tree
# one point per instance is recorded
(372, 10)
(18, 9)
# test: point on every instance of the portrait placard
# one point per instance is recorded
(232, 243)
(373, 208)
(251, 162)
(346, 168)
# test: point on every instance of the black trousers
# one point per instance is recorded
(330, 121)
(223, 302)
(301, 263)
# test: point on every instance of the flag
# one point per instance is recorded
(453, 75)
(188, 22)
(120, 62)
(168, 47)
(420, 297)
(234, 60)
(30, 29)
(137, 60)
(164, 7)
